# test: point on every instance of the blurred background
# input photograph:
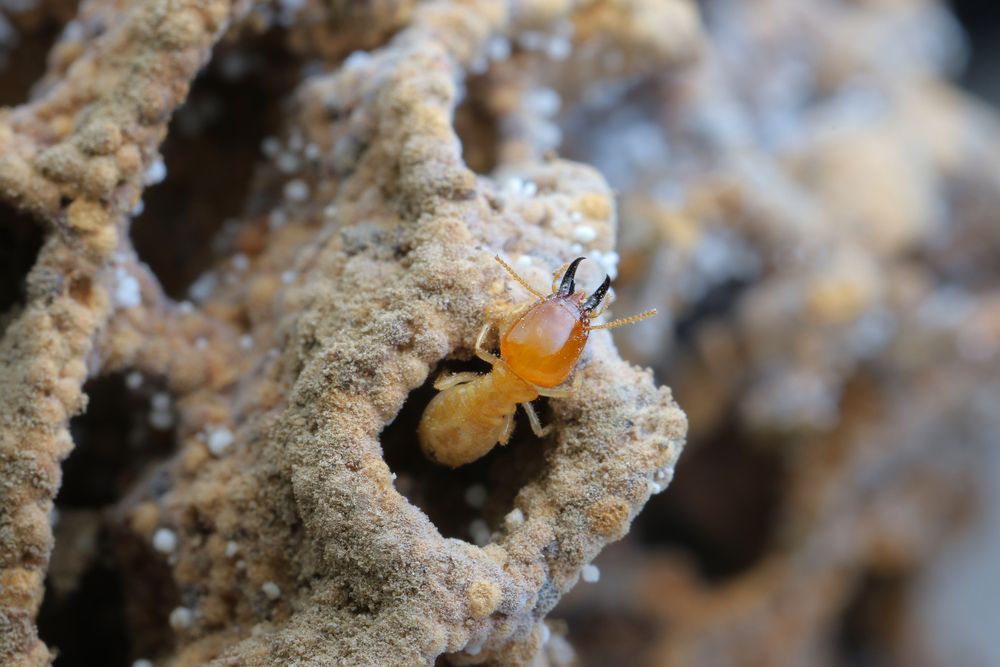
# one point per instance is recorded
(825, 239)
(812, 207)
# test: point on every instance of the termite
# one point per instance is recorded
(540, 345)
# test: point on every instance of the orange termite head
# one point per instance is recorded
(544, 344)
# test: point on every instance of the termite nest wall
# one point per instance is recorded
(238, 239)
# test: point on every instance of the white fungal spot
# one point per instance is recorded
(287, 163)
(271, 590)
(498, 48)
(547, 134)
(165, 541)
(246, 342)
(181, 618)
(479, 530)
(514, 185)
(161, 401)
(543, 101)
(219, 440)
(271, 146)
(133, 380)
(356, 60)
(330, 212)
(276, 219)
(296, 191)
(520, 187)
(155, 173)
(559, 48)
(203, 287)
(584, 234)
(514, 518)
(241, 262)
(73, 32)
(160, 415)
(232, 549)
(560, 652)
(312, 152)
(200, 343)
(475, 496)
(288, 277)
(185, 308)
(590, 573)
(127, 292)
(523, 261)
(161, 421)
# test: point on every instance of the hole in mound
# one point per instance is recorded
(20, 240)
(83, 614)
(26, 35)
(149, 592)
(870, 622)
(210, 153)
(625, 617)
(616, 129)
(102, 581)
(470, 501)
(609, 635)
(128, 425)
(981, 23)
(477, 129)
(721, 506)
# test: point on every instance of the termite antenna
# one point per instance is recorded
(625, 320)
(524, 283)
(594, 299)
(568, 283)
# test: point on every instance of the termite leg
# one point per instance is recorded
(560, 392)
(536, 423)
(508, 428)
(481, 351)
(445, 381)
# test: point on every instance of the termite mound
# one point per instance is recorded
(357, 268)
